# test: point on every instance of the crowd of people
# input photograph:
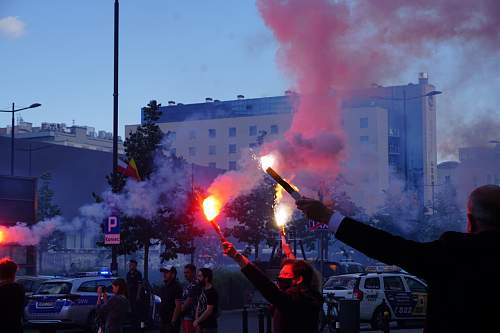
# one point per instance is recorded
(453, 267)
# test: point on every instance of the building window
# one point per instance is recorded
(232, 149)
(212, 150)
(212, 165)
(192, 135)
(232, 132)
(274, 129)
(253, 145)
(363, 122)
(212, 133)
(447, 179)
(363, 139)
(252, 130)
(232, 165)
(192, 151)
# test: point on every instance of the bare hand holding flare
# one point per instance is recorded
(315, 210)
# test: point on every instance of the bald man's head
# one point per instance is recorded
(483, 209)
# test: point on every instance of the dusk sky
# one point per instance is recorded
(60, 53)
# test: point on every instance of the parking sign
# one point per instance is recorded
(112, 231)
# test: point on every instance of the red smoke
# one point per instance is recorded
(330, 47)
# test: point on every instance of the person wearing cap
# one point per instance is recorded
(134, 280)
(171, 301)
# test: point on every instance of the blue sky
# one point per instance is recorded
(169, 50)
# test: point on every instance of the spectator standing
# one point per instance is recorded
(134, 281)
(208, 303)
(11, 298)
(171, 301)
(295, 301)
(190, 294)
(113, 310)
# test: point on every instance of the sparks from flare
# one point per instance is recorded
(282, 214)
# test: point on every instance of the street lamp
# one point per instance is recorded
(13, 111)
(404, 100)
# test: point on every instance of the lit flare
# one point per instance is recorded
(211, 208)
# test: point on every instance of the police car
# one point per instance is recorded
(377, 289)
(69, 302)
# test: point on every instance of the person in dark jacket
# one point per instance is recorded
(134, 281)
(11, 298)
(461, 269)
(113, 310)
(296, 300)
(171, 301)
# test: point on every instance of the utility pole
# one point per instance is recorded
(114, 261)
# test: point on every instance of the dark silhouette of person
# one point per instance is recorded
(11, 298)
(462, 270)
(296, 300)
(112, 311)
(134, 281)
(171, 301)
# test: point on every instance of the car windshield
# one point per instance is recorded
(54, 288)
(341, 283)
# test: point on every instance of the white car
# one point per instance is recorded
(71, 302)
(405, 295)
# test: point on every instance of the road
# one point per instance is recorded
(230, 322)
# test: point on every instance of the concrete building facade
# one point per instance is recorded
(394, 125)
(84, 137)
(477, 166)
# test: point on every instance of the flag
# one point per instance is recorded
(129, 170)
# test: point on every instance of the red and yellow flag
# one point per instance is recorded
(129, 170)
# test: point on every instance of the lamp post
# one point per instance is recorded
(114, 255)
(13, 111)
(404, 100)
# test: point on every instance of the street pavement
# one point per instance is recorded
(230, 322)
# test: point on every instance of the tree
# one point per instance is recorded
(254, 216)
(170, 226)
(47, 209)
(446, 216)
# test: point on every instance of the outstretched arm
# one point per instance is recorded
(261, 282)
(417, 258)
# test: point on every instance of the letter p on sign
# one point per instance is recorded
(113, 227)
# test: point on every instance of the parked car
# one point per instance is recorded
(32, 283)
(403, 294)
(71, 302)
(331, 268)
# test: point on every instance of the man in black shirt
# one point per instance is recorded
(190, 295)
(11, 298)
(208, 303)
(171, 301)
(134, 280)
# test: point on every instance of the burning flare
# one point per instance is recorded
(2, 236)
(211, 207)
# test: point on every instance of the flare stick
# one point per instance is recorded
(286, 186)
(218, 231)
